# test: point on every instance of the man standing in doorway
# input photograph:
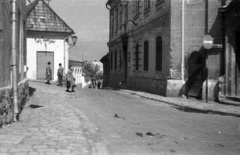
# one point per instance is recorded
(48, 73)
(60, 74)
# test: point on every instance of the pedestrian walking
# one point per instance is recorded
(70, 79)
(48, 73)
(60, 74)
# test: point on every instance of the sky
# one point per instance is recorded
(90, 21)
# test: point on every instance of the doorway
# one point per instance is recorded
(237, 54)
(43, 57)
(196, 66)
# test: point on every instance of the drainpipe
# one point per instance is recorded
(14, 60)
(109, 20)
(64, 57)
(183, 38)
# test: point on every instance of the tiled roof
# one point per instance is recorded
(40, 17)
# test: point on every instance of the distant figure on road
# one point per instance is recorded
(60, 74)
(48, 73)
(93, 83)
(99, 83)
(70, 79)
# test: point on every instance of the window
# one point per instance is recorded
(137, 7)
(120, 18)
(126, 13)
(137, 57)
(115, 60)
(158, 2)
(112, 24)
(116, 19)
(146, 4)
(159, 53)
(125, 17)
(111, 61)
(146, 49)
(120, 60)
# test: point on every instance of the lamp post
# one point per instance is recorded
(71, 41)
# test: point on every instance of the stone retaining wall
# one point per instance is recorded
(6, 101)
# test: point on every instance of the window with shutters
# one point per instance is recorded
(159, 53)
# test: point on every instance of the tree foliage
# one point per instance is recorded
(92, 70)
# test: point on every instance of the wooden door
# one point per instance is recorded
(43, 57)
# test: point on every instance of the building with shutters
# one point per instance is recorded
(156, 46)
(48, 40)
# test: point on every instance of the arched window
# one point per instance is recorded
(159, 53)
(146, 53)
(137, 57)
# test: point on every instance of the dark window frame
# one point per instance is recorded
(120, 60)
(146, 55)
(146, 4)
(137, 7)
(115, 60)
(112, 24)
(116, 18)
(137, 57)
(111, 61)
(159, 53)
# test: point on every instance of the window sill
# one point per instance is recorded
(136, 17)
(159, 2)
(147, 10)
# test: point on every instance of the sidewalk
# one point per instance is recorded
(191, 105)
(47, 125)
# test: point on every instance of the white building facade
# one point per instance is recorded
(48, 40)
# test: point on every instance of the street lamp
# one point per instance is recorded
(71, 40)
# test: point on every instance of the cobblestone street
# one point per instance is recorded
(105, 121)
(48, 125)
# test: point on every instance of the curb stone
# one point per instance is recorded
(185, 107)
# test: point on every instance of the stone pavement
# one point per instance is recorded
(192, 104)
(48, 125)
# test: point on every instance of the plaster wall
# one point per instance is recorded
(58, 48)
